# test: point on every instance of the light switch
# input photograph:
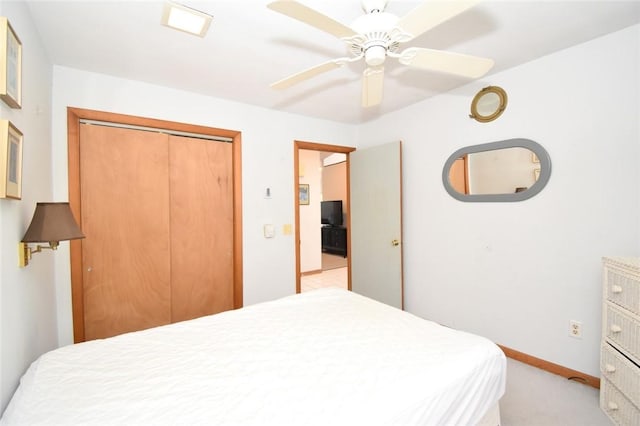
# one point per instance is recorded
(269, 231)
(286, 229)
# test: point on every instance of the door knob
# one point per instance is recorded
(395, 243)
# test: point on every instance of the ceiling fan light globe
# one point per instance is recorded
(375, 55)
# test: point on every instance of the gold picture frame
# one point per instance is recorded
(488, 104)
(11, 140)
(303, 194)
(10, 65)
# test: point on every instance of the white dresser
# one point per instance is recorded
(620, 354)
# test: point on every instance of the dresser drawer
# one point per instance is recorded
(617, 406)
(621, 372)
(622, 329)
(622, 288)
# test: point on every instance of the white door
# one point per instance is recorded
(376, 223)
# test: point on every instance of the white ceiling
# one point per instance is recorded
(250, 46)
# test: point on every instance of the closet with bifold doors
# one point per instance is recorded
(157, 209)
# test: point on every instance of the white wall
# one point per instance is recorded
(518, 272)
(310, 236)
(27, 296)
(267, 161)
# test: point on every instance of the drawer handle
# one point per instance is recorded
(616, 289)
(610, 368)
(612, 405)
(616, 328)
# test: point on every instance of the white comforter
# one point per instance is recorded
(327, 357)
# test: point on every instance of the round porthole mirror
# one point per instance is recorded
(488, 104)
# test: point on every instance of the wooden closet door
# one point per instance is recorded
(124, 178)
(201, 182)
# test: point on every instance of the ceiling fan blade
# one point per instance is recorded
(431, 14)
(448, 62)
(372, 84)
(311, 17)
(308, 73)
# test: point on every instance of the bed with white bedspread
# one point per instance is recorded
(325, 357)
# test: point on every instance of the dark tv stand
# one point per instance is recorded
(334, 240)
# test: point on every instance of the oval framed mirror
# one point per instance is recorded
(509, 170)
(488, 104)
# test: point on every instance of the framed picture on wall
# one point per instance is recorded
(303, 194)
(10, 161)
(10, 65)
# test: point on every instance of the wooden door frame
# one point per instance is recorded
(465, 159)
(314, 146)
(74, 115)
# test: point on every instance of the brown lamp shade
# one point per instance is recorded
(52, 222)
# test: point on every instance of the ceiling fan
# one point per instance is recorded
(378, 35)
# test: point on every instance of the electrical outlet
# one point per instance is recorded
(575, 329)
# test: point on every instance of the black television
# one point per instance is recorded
(331, 213)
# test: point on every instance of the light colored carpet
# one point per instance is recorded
(534, 397)
(333, 261)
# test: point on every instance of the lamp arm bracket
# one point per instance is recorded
(25, 252)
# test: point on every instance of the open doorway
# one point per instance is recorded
(322, 249)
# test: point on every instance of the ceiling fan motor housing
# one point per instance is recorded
(374, 39)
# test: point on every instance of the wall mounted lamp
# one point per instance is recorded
(51, 223)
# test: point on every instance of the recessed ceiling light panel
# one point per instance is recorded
(185, 19)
